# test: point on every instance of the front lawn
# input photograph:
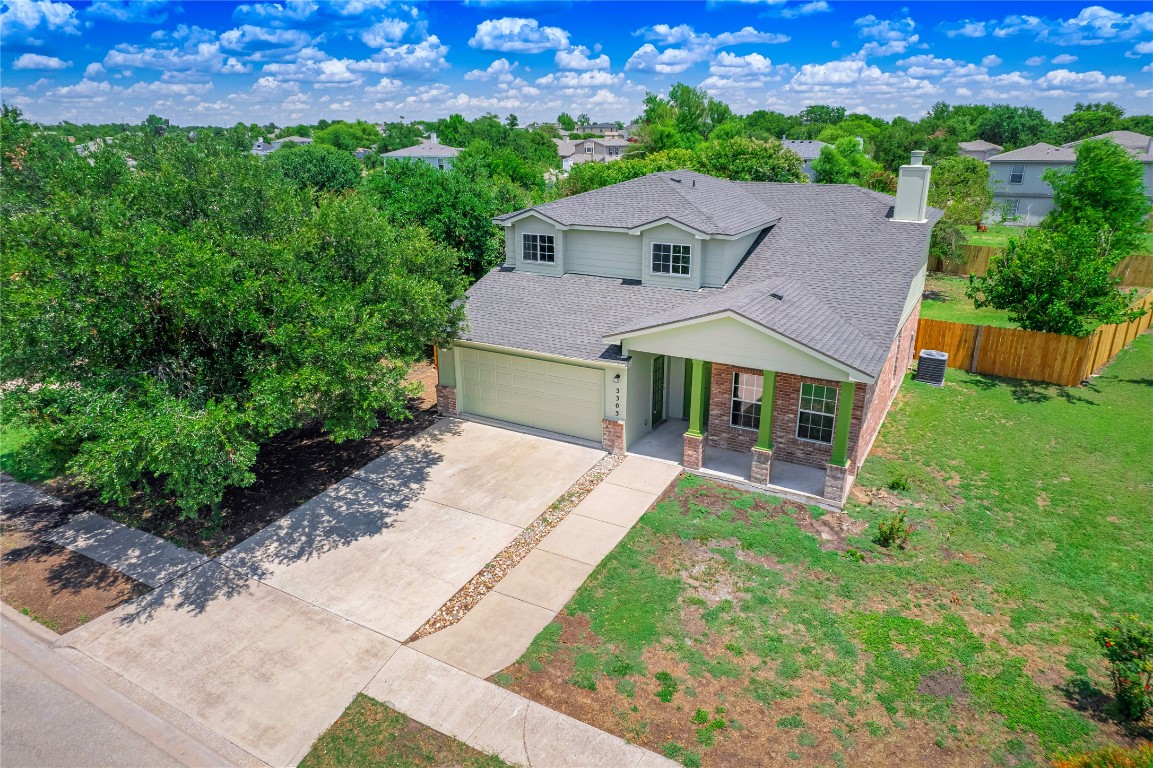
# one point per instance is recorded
(997, 235)
(945, 299)
(732, 628)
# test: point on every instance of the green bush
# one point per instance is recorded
(895, 531)
(1128, 646)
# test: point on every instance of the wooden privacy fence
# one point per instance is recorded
(1018, 354)
(1135, 270)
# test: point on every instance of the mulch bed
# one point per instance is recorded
(290, 469)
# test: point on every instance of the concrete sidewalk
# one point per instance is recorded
(134, 553)
(496, 721)
(497, 631)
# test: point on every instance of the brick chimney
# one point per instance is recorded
(913, 190)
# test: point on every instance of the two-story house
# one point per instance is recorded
(1022, 196)
(428, 150)
(754, 329)
(589, 151)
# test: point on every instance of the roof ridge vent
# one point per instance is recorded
(674, 179)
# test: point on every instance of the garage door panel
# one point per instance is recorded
(554, 396)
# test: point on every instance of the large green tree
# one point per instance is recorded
(317, 166)
(160, 324)
(1105, 190)
(1056, 281)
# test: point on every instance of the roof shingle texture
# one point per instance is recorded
(842, 266)
(425, 149)
(807, 149)
(705, 203)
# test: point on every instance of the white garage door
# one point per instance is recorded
(560, 398)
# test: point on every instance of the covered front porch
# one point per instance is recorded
(667, 442)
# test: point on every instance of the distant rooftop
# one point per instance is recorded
(426, 148)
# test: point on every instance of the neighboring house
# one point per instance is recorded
(260, 147)
(980, 149)
(430, 151)
(752, 328)
(589, 151)
(808, 150)
(1022, 196)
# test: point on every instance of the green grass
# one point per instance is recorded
(1031, 508)
(997, 235)
(950, 303)
(371, 735)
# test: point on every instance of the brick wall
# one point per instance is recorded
(884, 389)
(721, 433)
(786, 445)
(446, 400)
(613, 435)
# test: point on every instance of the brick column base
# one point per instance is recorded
(446, 400)
(837, 482)
(613, 435)
(762, 466)
(694, 452)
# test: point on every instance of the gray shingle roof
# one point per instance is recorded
(1131, 140)
(425, 149)
(1036, 153)
(705, 203)
(842, 265)
(807, 149)
(980, 145)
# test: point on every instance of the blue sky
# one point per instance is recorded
(298, 61)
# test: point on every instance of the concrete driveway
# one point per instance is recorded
(268, 644)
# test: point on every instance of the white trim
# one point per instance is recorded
(596, 364)
(506, 223)
(653, 273)
(854, 374)
(526, 214)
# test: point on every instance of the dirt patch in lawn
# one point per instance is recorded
(723, 722)
(54, 586)
(290, 469)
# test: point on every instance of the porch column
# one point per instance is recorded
(837, 477)
(763, 450)
(844, 421)
(694, 448)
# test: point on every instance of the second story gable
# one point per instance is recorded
(675, 229)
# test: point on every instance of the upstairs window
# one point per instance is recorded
(1016, 174)
(538, 248)
(746, 410)
(671, 259)
(817, 413)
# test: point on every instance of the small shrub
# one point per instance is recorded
(1128, 646)
(896, 531)
(701, 716)
(792, 721)
(899, 482)
(1109, 757)
(669, 686)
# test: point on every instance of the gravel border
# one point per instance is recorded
(481, 584)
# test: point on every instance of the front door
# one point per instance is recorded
(658, 414)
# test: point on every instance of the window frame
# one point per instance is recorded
(670, 273)
(822, 414)
(1019, 174)
(524, 250)
(1012, 207)
(757, 403)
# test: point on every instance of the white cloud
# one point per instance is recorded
(513, 35)
(130, 11)
(317, 67)
(424, 57)
(275, 14)
(695, 47)
(1093, 25)
(264, 43)
(96, 90)
(384, 33)
(1064, 58)
(36, 61)
(1035, 61)
(968, 29)
(24, 16)
(95, 69)
(1064, 79)
(729, 64)
(807, 9)
(991, 60)
(593, 79)
(886, 37)
(578, 58)
(500, 69)
(234, 66)
(200, 57)
(1146, 47)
